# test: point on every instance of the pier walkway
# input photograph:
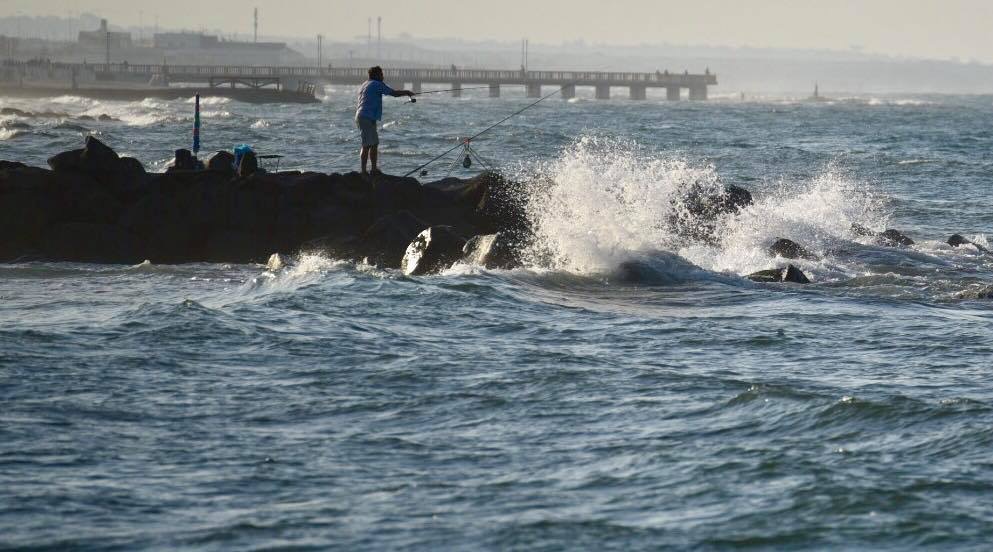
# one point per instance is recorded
(414, 79)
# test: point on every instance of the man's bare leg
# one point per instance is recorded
(364, 155)
(374, 157)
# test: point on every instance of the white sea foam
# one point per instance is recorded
(212, 100)
(604, 202)
(261, 123)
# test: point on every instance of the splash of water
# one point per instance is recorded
(605, 201)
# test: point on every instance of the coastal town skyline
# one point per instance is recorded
(925, 29)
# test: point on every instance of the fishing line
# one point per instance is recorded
(465, 143)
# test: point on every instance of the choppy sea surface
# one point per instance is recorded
(569, 405)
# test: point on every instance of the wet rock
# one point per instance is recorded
(14, 111)
(889, 238)
(88, 242)
(11, 165)
(386, 241)
(982, 292)
(222, 161)
(895, 237)
(957, 239)
(183, 161)
(106, 118)
(433, 250)
(248, 165)
(193, 215)
(85, 118)
(97, 156)
(66, 161)
(788, 274)
(789, 249)
(860, 230)
(493, 251)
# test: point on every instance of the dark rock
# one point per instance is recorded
(957, 239)
(697, 210)
(85, 118)
(493, 251)
(222, 161)
(789, 249)
(888, 238)
(15, 112)
(391, 193)
(237, 246)
(433, 250)
(386, 241)
(249, 164)
(860, 230)
(353, 190)
(11, 165)
(895, 237)
(66, 161)
(87, 242)
(983, 292)
(124, 214)
(97, 156)
(788, 274)
(104, 117)
(183, 161)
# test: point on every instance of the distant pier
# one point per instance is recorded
(292, 78)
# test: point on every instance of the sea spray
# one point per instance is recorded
(605, 201)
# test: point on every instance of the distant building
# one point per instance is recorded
(92, 40)
(8, 46)
(212, 49)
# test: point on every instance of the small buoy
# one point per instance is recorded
(467, 162)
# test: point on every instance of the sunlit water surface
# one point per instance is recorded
(568, 405)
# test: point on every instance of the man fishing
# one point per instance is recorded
(369, 111)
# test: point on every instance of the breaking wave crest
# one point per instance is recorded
(605, 202)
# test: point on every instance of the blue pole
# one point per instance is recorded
(196, 127)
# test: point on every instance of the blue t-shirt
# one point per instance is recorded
(371, 99)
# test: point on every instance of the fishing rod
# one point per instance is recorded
(467, 141)
(414, 100)
(451, 90)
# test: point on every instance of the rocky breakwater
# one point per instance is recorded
(92, 205)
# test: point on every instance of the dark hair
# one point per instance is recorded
(373, 71)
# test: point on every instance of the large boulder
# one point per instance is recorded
(87, 242)
(222, 162)
(66, 161)
(957, 239)
(789, 249)
(889, 238)
(789, 273)
(386, 241)
(493, 251)
(433, 250)
(97, 156)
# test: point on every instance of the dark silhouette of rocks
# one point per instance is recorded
(697, 210)
(95, 206)
(888, 238)
(788, 274)
(957, 239)
(492, 251)
(789, 249)
(433, 250)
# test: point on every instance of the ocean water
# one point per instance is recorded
(631, 391)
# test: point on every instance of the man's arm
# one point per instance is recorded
(398, 93)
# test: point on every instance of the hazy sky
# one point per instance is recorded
(918, 28)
